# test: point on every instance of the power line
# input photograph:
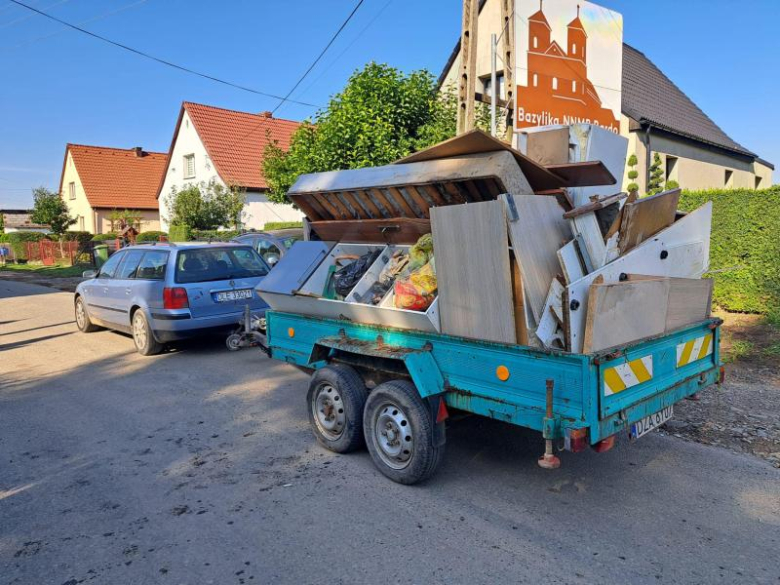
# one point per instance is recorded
(93, 19)
(159, 60)
(29, 16)
(286, 98)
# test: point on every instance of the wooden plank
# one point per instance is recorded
(473, 191)
(433, 194)
(537, 233)
(624, 312)
(690, 301)
(646, 217)
(518, 296)
(326, 204)
(472, 266)
(571, 262)
(493, 188)
(587, 227)
(402, 202)
(550, 329)
(397, 230)
(383, 200)
(349, 196)
(308, 209)
(338, 205)
(348, 205)
(548, 148)
(365, 198)
(454, 192)
(595, 205)
(583, 174)
(421, 202)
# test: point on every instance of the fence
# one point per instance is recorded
(49, 252)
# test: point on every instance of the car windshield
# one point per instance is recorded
(209, 264)
(288, 242)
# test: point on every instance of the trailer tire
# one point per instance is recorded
(400, 433)
(335, 404)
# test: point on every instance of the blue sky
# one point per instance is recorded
(59, 86)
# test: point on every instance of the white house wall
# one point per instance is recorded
(258, 210)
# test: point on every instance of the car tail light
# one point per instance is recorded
(604, 445)
(575, 440)
(175, 298)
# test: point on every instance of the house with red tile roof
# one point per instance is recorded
(96, 180)
(226, 147)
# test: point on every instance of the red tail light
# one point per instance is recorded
(575, 440)
(175, 298)
(604, 445)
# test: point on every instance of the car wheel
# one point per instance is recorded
(336, 398)
(144, 340)
(233, 342)
(400, 433)
(83, 321)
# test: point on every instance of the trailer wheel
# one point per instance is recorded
(399, 433)
(336, 399)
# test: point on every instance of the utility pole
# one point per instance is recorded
(508, 38)
(468, 66)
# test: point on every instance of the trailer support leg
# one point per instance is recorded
(549, 460)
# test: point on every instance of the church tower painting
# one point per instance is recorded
(558, 89)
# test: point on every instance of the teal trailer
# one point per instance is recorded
(392, 390)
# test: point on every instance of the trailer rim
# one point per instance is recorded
(393, 435)
(328, 410)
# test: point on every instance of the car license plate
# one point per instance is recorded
(234, 295)
(650, 423)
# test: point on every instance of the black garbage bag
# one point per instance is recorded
(345, 279)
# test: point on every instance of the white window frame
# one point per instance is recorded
(574, 85)
(574, 48)
(189, 166)
(555, 83)
(536, 80)
(72, 191)
(536, 43)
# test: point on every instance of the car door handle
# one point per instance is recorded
(128, 290)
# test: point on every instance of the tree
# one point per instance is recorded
(633, 174)
(380, 116)
(120, 219)
(207, 206)
(655, 184)
(49, 209)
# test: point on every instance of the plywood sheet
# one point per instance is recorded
(646, 217)
(537, 231)
(571, 262)
(521, 326)
(690, 301)
(624, 312)
(401, 230)
(548, 148)
(471, 253)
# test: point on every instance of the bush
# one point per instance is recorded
(281, 225)
(217, 235)
(150, 236)
(4, 238)
(76, 236)
(18, 242)
(180, 233)
(104, 237)
(745, 245)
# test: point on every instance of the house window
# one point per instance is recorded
(574, 48)
(71, 191)
(758, 182)
(536, 80)
(189, 166)
(671, 167)
(574, 86)
(488, 89)
(555, 83)
(729, 178)
(536, 43)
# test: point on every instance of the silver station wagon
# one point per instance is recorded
(166, 292)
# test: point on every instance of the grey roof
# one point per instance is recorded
(650, 97)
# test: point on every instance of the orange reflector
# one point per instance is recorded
(502, 373)
(604, 445)
(291, 332)
(443, 413)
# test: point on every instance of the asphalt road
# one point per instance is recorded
(197, 466)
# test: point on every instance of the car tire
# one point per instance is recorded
(400, 433)
(83, 322)
(143, 337)
(335, 401)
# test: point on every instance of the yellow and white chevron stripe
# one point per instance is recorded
(694, 349)
(618, 378)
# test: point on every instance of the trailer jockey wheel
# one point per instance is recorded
(335, 401)
(400, 433)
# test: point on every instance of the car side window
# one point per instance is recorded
(249, 260)
(129, 267)
(152, 266)
(108, 270)
(268, 250)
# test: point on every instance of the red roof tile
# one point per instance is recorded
(236, 141)
(118, 177)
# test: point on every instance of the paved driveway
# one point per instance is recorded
(197, 466)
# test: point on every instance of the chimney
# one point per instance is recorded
(267, 114)
(139, 151)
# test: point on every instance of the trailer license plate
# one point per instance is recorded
(650, 423)
(234, 295)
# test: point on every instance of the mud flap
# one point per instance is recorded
(438, 410)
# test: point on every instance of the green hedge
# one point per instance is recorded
(217, 235)
(104, 237)
(150, 236)
(281, 225)
(745, 246)
(76, 236)
(180, 233)
(18, 242)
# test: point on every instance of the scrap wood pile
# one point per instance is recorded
(472, 238)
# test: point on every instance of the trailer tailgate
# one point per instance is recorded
(638, 372)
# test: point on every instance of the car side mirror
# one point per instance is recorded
(89, 274)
